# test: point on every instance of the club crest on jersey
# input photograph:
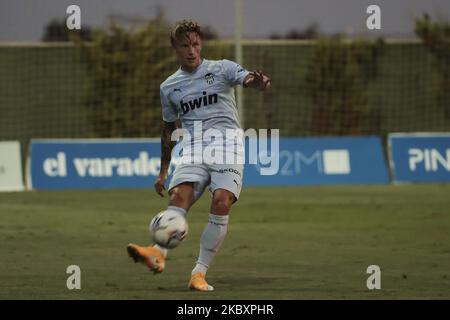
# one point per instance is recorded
(209, 77)
(196, 103)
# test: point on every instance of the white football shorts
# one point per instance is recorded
(213, 176)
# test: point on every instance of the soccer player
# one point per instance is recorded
(202, 91)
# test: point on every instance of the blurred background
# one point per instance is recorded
(331, 74)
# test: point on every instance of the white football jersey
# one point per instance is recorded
(206, 94)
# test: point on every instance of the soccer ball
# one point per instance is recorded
(168, 229)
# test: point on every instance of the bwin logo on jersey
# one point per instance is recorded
(199, 102)
(209, 77)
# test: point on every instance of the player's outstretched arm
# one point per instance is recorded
(258, 80)
(166, 154)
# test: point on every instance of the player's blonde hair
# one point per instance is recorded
(182, 28)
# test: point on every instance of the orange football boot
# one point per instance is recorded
(199, 283)
(150, 256)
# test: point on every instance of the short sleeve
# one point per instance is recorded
(169, 112)
(234, 73)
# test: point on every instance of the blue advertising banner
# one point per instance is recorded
(92, 164)
(315, 161)
(420, 157)
(108, 163)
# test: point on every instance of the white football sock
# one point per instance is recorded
(212, 237)
(175, 209)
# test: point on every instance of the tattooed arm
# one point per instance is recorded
(166, 153)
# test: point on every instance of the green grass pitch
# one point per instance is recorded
(282, 243)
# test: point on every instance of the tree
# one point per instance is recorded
(57, 31)
(436, 38)
(337, 82)
(312, 31)
(126, 67)
(209, 33)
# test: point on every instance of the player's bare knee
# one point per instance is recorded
(181, 197)
(176, 199)
(222, 201)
